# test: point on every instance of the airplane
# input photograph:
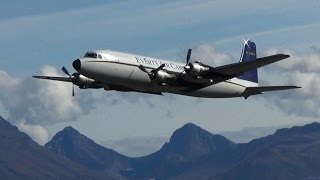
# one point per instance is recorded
(119, 71)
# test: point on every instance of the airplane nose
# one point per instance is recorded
(76, 64)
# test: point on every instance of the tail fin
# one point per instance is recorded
(249, 54)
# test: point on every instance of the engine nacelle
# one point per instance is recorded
(84, 82)
(161, 77)
(196, 69)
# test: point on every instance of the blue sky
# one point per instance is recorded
(34, 34)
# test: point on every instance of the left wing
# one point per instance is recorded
(65, 79)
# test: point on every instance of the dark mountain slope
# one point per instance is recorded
(287, 154)
(193, 153)
(188, 147)
(77, 147)
(22, 158)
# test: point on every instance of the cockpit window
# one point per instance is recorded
(90, 55)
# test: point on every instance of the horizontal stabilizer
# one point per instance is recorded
(65, 79)
(260, 89)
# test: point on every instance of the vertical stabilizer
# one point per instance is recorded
(249, 53)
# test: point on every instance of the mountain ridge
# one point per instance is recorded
(79, 148)
(191, 153)
(22, 158)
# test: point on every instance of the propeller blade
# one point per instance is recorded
(152, 74)
(142, 68)
(66, 71)
(189, 55)
(72, 90)
(158, 69)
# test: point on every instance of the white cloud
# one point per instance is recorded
(34, 104)
(37, 132)
(38, 102)
(56, 97)
(209, 55)
(7, 81)
(303, 70)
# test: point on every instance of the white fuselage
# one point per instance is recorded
(122, 69)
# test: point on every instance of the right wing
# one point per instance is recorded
(229, 71)
(65, 79)
(237, 69)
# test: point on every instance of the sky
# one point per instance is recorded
(38, 37)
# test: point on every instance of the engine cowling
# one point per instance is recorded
(161, 77)
(84, 82)
(196, 69)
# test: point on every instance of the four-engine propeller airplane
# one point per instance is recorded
(120, 71)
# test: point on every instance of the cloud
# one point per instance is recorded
(38, 102)
(302, 62)
(303, 70)
(209, 55)
(34, 104)
(38, 133)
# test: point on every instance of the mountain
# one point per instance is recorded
(188, 147)
(22, 158)
(194, 153)
(290, 153)
(77, 147)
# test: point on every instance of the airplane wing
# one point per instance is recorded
(237, 69)
(222, 73)
(65, 79)
(249, 91)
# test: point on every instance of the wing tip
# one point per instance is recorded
(41, 77)
(37, 76)
(284, 55)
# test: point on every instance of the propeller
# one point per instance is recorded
(152, 73)
(189, 55)
(187, 67)
(65, 70)
(142, 68)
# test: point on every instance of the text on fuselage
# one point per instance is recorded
(155, 63)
